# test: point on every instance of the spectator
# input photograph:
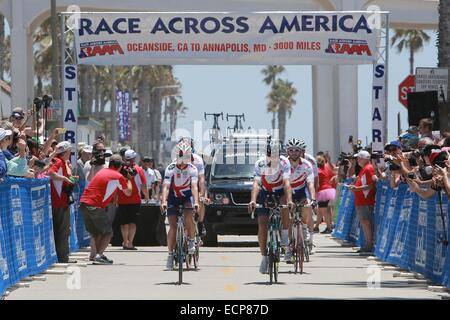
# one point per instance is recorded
(61, 187)
(129, 206)
(96, 197)
(325, 194)
(85, 155)
(426, 128)
(150, 175)
(364, 189)
(5, 136)
(17, 118)
(17, 166)
(157, 185)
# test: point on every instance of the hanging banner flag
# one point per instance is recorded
(127, 115)
(71, 108)
(120, 115)
(379, 104)
(226, 38)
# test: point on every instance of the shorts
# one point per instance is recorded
(324, 197)
(364, 212)
(299, 195)
(96, 221)
(263, 211)
(173, 203)
(127, 213)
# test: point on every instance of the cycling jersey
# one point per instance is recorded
(301, 174)
(180, 180)
(271, 177)
(313, 161)
(197, 161)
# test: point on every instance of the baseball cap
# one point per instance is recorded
(63, 147)
(115, 158)
(363, 154)
(4, 133)
(413, 130)
(130, 154)
(87, 149)
(147, 159)
(435, 153)
(394, 143)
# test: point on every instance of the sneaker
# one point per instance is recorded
(264, 267)
(100, 261)
(106, 259)
(169, 264)
(287, 256)
(191, 247)
(201, 229)
(91, 258)
(365, 250)
(326, 231)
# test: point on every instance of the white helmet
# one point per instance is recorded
(183, 152)
(296, 143)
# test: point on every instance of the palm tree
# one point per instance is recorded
(2, 45)
(444, 35)
(412, 40)
(173, 109)
(282, 97)
(270, 74)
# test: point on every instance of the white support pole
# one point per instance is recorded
(386, 86)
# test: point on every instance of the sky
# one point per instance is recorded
(237, 89)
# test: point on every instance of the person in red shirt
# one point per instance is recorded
(60, 183)
(364, 189)
(96, 197)
(129, 206)
(326, 194)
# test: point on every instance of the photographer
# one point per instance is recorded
(97, 163)
(17, 166)
(439, 159)
(93, 203)
(62, 184)
(129, 206)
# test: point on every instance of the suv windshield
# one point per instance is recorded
(234, 171)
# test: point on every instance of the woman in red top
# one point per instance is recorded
(326, 194)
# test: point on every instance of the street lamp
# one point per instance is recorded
(153, 141)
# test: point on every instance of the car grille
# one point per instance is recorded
(241, 197)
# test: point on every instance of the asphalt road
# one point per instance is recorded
(229, 271)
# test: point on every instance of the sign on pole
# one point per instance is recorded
(433, 79)
(378, 108)
(70, 115)
(404, 88)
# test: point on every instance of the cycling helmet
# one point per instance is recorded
(294, 143)
(183, 152)
(188, 140)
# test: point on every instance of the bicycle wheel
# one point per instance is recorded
(271, 258)
(179, 251)
(299, 249)
(275, 263)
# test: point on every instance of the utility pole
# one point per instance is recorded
(55, 91)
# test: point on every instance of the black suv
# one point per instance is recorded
(229, 179)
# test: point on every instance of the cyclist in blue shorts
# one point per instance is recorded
(272, 172)
(180, 188)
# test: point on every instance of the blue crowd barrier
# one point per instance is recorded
(26, 229)
(408, 230)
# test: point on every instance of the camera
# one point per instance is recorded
(68, 189)
(376, 155)
(391, 165)
(38, 102)
(411, 175)
(128, 169)
(98, 159)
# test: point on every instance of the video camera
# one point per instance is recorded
(42, 102)
(128, 169)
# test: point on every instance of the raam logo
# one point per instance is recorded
(348, 46)
(100, 48)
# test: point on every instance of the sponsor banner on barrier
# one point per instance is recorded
(140, 38)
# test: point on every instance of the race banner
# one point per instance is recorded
(70, 102)
(120, 115)
(379, 105)
(127, 115)
(226, 38)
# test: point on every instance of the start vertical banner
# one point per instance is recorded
(379, 108)
(70, 114)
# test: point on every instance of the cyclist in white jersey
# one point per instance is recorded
(302, 179)
(198, 162)
(309, 211)
(272, 172)
(180, 188)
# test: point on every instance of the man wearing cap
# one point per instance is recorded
(364, 189)
(129, 206)
(60, 173)
(85, 156)
(93, 203)
(17, 166)
(17, 116)
(150, 174)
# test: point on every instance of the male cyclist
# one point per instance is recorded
(198, 162)
(308, 211)
(302, 179)
(180, 188)
(272, 171)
